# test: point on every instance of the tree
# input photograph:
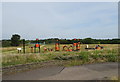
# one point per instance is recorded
(15, 40)
(88, 41)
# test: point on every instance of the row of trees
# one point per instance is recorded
(15, 41)
(83, 41)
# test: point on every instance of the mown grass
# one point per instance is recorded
(108, 54)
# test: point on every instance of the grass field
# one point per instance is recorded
(10, 56)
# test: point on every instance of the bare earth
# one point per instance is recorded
(99, 71)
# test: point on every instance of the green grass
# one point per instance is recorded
(108, 54)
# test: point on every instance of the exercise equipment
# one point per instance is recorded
(68, 48)
(57, 45)
(98, 47)
(76, 45)
(37, 45)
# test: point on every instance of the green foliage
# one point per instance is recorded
(88, 41)
(112, 57)
(6, 43)
(14, 60)
(85, 57)
(96, 56)
(15, 40)
(84, 41)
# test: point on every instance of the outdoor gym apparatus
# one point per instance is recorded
(37, 45)
(34, 49)
(68, 48)
(57, 45)
(74, 47)
(98, 47)
(47, 49)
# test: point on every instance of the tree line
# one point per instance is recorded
(16, 41)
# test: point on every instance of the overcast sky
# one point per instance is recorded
(60, 20)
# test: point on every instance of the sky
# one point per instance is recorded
(69, 20)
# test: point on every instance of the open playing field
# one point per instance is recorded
(10, 56)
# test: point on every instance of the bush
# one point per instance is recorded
(6, 43)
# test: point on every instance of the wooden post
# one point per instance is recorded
(39, 45)
(39, 48)
(35, 49)
(23, 45)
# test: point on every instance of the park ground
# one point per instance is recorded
(11, 57)
(13, 62)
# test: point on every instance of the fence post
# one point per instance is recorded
(23, 45)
